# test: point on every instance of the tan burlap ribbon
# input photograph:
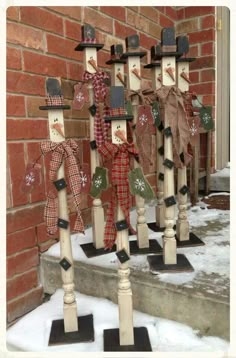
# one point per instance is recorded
(171, 99)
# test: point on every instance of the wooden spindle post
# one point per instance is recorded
(182, 224)
(134, 83)
(90, 65)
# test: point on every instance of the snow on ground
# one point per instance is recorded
(31, 333)
(222, 173)
(211, 258)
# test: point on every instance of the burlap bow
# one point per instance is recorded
(171, 99)
(120, 156)
(100, 92)
(67, 151)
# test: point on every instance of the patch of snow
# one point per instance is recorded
(222, 173)
(31, 333)
(214, 194)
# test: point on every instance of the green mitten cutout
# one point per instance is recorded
(206, 117)
(156, 113)
(99, 182)
(128, 107)
(139, 185)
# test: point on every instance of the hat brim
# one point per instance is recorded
(152, 64)
(119, 118)
(54, 107)
(186, 59)
(83, 45)
(166, 54)
(134, 54)
(117, 60)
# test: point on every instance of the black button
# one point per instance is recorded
(168, 163)
(60, 184)
(170, 201)
(122, 256)
(65, 264)
(63, 224)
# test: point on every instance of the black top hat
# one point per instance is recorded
(88, 39)
(168, 44)
(116, 53)
(154, 51)
(183, 47)
(117, 110)
(55, 99)
(132, 46)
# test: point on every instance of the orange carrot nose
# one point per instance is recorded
(58, 127)
(93, 64)
(170, 72)
(185, 77)
(119, 75)
(159, 78)
(121, 134)
(135, 72)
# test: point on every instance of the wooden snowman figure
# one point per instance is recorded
(71, 329)
(90, 47)
(170, 97)
(126, 338)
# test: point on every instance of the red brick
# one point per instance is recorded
(8, 190)
(33, 153)
(208, 75)
(204, 88)
(32, 106)
(117, 12)
(24, 304)
(26, 129)
(13, 58)
(161, 9)
(137, 21)
(194, 77)
(155, 30)
(22, 283)
(165, 21)
(42, 235)
(44, 65)
(73, 30)
(208, 22)
(13, 12)
(171, 12)
(21, 240)
(25, 36)
(24, 218)
(207, 49)
(180, 13)
(63, 47)
(147, 41)
(86, 152)
(46, 245)
(22, 262)
(86, 215)
(193, 51)
(208, 100)
(73, 12)
(194, 11)
(202, 36)
(134, 8)
(187, 26)
(202, 62)
(103, 57)
(74, 71)
(41, 18)
(25, 83)
(150, 12)
(123, 31)
(151, 179)
(15, 106)
(97, 19)
(17, 171)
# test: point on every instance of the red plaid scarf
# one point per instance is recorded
(67, 151)
(120, 155)
(100, 92)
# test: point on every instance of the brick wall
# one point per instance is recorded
(40, 43)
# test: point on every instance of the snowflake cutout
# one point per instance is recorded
(139, 184)
(143, 119)
(98, 181)
(80, 97)
(84, 179)
(206, 118)
(29, 179)
(193, 129)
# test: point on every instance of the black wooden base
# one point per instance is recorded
(156, 264)
(193, 241)
(141, 341)
(91, 251)
(84, 334)
(153, 248)
(153, 226)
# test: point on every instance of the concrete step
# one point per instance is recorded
(201, 302)
(219, 181)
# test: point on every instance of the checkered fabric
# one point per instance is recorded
(89, 40)
(117, 112)
(171, 98)
(67, 151)
(120, 156)
(100, 92)
(54, 100)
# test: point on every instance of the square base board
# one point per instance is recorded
(193, 241)
(141, 341)
(157, 265)
(84, 334)
(153, 226)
